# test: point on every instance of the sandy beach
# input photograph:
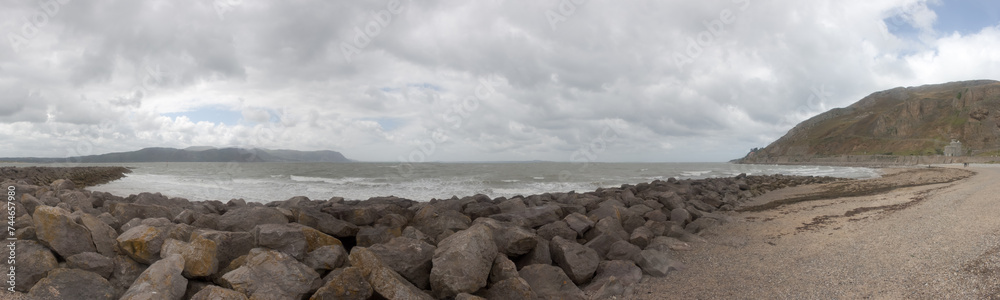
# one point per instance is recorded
(934, 241)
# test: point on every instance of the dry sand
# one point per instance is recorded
(936, 241)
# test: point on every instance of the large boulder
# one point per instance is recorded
(270, 274)
(462, 262)
(143, 243)
(200, 257)
(247, 217)
(42, 261)
(602, 243)
(384, 281)
(218, 293)
(102, 234)
(610, 226)
(368, 236)
(578, 261)
(550, 282)
(409, 257)
(55, 229)
(540, 215)
(229, 245)
(626, 273)
(125, 272)
(538, 255)
(326, 258)
(503, 268)
(348, 284)
(92, 262)
(579, 223)
(557, 228)
(315, 238)
(434, 223)
(163, 279)
(285, 238)
(327, 223)
(622, 250)
(124, 212)
(511, 240)
(657, 263)
(72, 284)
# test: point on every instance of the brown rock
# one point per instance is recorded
(163, 279)
(72, 284)
(462, 262)
(218, 293)
(349, 284)
(269, 274)
(55, 229)
(143, 243)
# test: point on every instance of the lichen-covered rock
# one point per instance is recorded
(55, 229)
(316, 239)
(269, 273)
(229, 245)
(462, 262)
(578, 261)
(409, 257)
(103, 235)
(72, 284)
(143, 243)
(348, 284)
(92, 262)
(162, 279)
(218, 293)
(200, 257)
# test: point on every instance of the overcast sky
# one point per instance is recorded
(465, 80)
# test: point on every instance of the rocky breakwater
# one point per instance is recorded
(73, 243)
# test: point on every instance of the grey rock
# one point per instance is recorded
(42, 261)
(538, 255)
(384, 281)
(701, 224)
(270, 274)
(72, 284)
(409, 257)
(103, 235)
(327, 223)
(602, 243)
(577, 261)
(368, 236)
(124, 212)
(125, 273)
(511, 240)
(503, 268)
(247, 217)
(623, 271)
(327, 257)
(540, 215)
(163, 279)
(462, 262)
(229, 245)
(657, 263)
(622, 250)
(641, 237)
(92, 262)
(550, 282)
(557, 228)
(510, 288)
(579, 223)
(610, 226)
(349, 284)
(285, 238)
(55, 229)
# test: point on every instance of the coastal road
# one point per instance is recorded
(939, 241)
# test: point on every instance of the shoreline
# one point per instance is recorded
(935, 240)
(604, 242)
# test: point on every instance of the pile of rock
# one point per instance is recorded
(93, 245)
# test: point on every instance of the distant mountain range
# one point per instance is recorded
(196, 154)
(911, 121)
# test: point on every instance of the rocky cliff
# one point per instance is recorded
(912, 121)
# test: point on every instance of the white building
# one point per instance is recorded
(954, 149)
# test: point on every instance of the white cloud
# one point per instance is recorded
(550, 92)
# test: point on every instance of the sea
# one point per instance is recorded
(274, 181)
